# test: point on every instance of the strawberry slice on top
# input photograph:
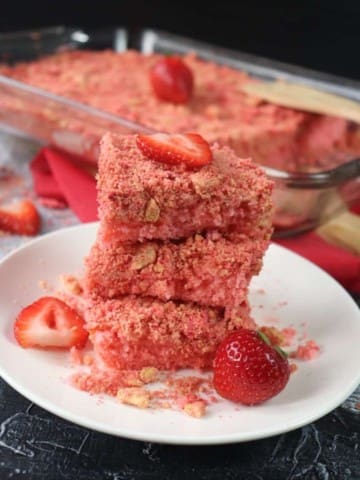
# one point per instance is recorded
(50, 323)
(190, 149)
(20, 218)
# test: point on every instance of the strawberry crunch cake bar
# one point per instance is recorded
(164, 290)
(142, 199)
(132, 332)
(218, 109)
(213, 272)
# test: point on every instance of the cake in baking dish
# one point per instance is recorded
(219, 109)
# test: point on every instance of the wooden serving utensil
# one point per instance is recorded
(344, 229)
(304, 98)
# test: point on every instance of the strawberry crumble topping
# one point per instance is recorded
(136, 396)
(307, 351)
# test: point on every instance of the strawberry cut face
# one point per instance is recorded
(50, 323)
(190, 149)
(20, 218)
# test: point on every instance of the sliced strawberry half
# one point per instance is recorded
(188, 148)
(50, 323)
(20, 218)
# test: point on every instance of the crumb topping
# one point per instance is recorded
(135, 396)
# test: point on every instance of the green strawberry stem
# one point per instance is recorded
(263, 337)
(266, 339)
(281, 351)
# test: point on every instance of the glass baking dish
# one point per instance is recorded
(302, 200)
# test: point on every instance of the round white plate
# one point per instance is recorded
(289, 288)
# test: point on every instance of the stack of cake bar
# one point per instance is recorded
(167, 278)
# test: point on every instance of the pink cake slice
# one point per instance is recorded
(134, 332)
(211, 270)
(143, 199)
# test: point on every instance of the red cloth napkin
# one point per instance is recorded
(60, 178)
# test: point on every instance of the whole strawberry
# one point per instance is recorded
(172, 80)
(248, 370)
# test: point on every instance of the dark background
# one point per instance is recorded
(323, 35)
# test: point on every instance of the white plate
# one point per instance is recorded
(288, 288)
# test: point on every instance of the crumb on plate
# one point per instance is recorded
(135, 396)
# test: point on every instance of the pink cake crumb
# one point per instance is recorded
(44, 285)
(149, 374)
(97, 381)
(187, 393)
(293, 367)
(185, 385)
(183, 400)
(274, 335)
(135, 396)
(76, 356)
(307, 351)
(289, 334)
(196, 409)
(71, 284)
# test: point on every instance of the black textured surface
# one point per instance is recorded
(36, 445)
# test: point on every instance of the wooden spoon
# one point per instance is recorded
(343, 231)
(304, 98)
